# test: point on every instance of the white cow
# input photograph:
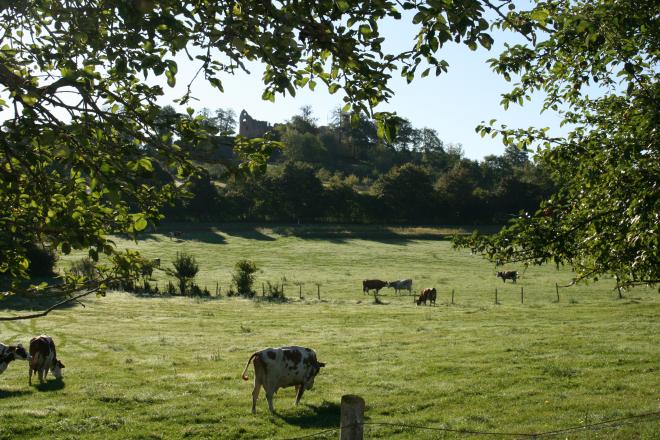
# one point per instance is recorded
(276, 368)
(9, 353)
(401, 285)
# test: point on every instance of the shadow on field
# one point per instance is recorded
(247, 232)
(33, 303)
(51, 385)
(325, 415)
(12, 393)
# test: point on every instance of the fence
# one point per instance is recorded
(353, 425)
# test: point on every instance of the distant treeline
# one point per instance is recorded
(344, 172)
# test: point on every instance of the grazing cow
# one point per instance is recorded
(376, 285)
(428, 294)
(508, 275)
(401, 285)
(276, 368)
(44, 358)
(10, 353)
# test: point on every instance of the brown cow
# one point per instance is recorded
(376, 285)
(276, 368)
(508, 275)
(44, 358)
(428, 294)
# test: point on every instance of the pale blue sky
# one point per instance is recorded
(453, 103)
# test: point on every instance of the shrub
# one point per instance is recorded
(85, 267)
(243, 277)
(185, 270)
(42, 260)
(170, 289)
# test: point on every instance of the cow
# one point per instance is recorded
(508, 275)
(44, 358)
(401, 285)
(376, 285)
(428, 294)
(9, 353)
(276, 368)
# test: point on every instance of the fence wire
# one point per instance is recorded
(612, 424)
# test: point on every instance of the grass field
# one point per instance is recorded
(152, 367)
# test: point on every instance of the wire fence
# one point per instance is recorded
(607, 424)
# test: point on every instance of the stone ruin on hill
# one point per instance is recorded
(250, 127)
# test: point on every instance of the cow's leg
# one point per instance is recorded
(300, 390)
(41, 375)
(30, 375)
(269, 398)
(255, 394)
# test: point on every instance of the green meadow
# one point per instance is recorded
(162, 367)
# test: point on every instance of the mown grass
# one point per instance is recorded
(170, 367)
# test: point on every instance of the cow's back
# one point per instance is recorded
(42, 351)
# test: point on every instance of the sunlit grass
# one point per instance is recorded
(170, 367)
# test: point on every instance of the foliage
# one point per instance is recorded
(85, 132)
(243, 277)
(597, 63)
(42, 260)
(185, 270)
(85, 267)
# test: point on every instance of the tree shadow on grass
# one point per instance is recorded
(33, 303)
(325, 415)
(247, 232)
(51, 385)
(4, 394)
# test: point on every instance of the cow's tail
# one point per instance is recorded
(244, 375)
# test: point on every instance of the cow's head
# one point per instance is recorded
(57, 369)
(20, 353)
(311, 374)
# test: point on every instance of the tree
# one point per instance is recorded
(597, 63)
(85, 126)
(407, 194)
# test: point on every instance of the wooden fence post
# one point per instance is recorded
(452, 296)
(522, 298)
(216, 288)
(557, 289)
(496, 296)
(352, 418)
(263, 290)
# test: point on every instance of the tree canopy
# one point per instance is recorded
(83, 136)
(596, 62)
(84, 146)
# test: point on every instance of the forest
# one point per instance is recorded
(345, 172)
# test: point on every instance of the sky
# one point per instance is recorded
(453, 104)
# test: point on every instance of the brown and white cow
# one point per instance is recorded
(508, 275)
(276, 368)
(9, 353)
(44, 358)
(428, 294)
(376, 285)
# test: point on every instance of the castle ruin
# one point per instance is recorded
(250, 127)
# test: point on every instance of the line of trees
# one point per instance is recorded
(345, 172)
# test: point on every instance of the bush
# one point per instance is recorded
(185, 270)
(243, 277)
(42, 260)
(85, 267)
